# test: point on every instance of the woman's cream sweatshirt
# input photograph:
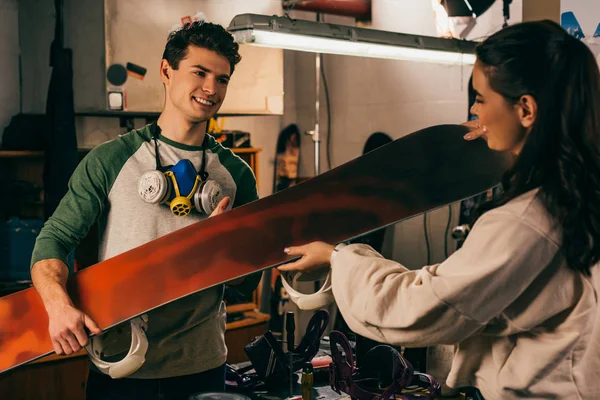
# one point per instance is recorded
(524, 324)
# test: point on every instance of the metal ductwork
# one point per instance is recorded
(359, 9)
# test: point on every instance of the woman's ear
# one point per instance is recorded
(527, 109)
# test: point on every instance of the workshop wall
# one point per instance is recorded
(367, 95)
(84, 34)
(395, 97)
(583, 17)
(9, 62)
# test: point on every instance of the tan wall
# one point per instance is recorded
(541, 9)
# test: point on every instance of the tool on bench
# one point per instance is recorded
(290, 327)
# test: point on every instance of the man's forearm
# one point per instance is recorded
(49, 279)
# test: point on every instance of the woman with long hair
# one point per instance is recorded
(519, 299)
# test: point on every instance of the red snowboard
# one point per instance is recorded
(419, 172)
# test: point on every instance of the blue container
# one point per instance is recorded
(17, 238)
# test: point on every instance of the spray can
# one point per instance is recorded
(307, 380)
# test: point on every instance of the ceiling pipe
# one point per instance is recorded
(359, 9)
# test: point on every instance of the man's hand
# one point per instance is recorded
(67, 324)
(67, 328)
(221, 207)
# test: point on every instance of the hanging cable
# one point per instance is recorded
(426, 239)
(328, 112)
(447, 230)
(327, 102)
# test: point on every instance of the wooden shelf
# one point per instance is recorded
(245, 150)
(239, 333)
(29, 153)
(236, 308)
(117, 114)
(21, 154)
(250, 318)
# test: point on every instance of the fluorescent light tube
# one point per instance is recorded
(317, 37)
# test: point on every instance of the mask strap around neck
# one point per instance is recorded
(155, 130)
(202, 172)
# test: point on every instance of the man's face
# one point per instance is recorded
(198, 87)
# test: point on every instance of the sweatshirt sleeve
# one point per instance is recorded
(443, 303)
(79, 209)
(247, 191)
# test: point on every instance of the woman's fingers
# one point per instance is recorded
(476, 130)
(295, 250)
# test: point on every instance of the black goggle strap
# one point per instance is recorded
(340, 369)
(420, 383)
(408, 386)
(384, 370)
(309, 346)
(342, 372)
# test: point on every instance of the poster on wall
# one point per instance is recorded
(581, 18)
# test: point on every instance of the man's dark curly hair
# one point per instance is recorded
(202, 34)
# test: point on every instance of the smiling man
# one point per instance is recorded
(143, 185)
